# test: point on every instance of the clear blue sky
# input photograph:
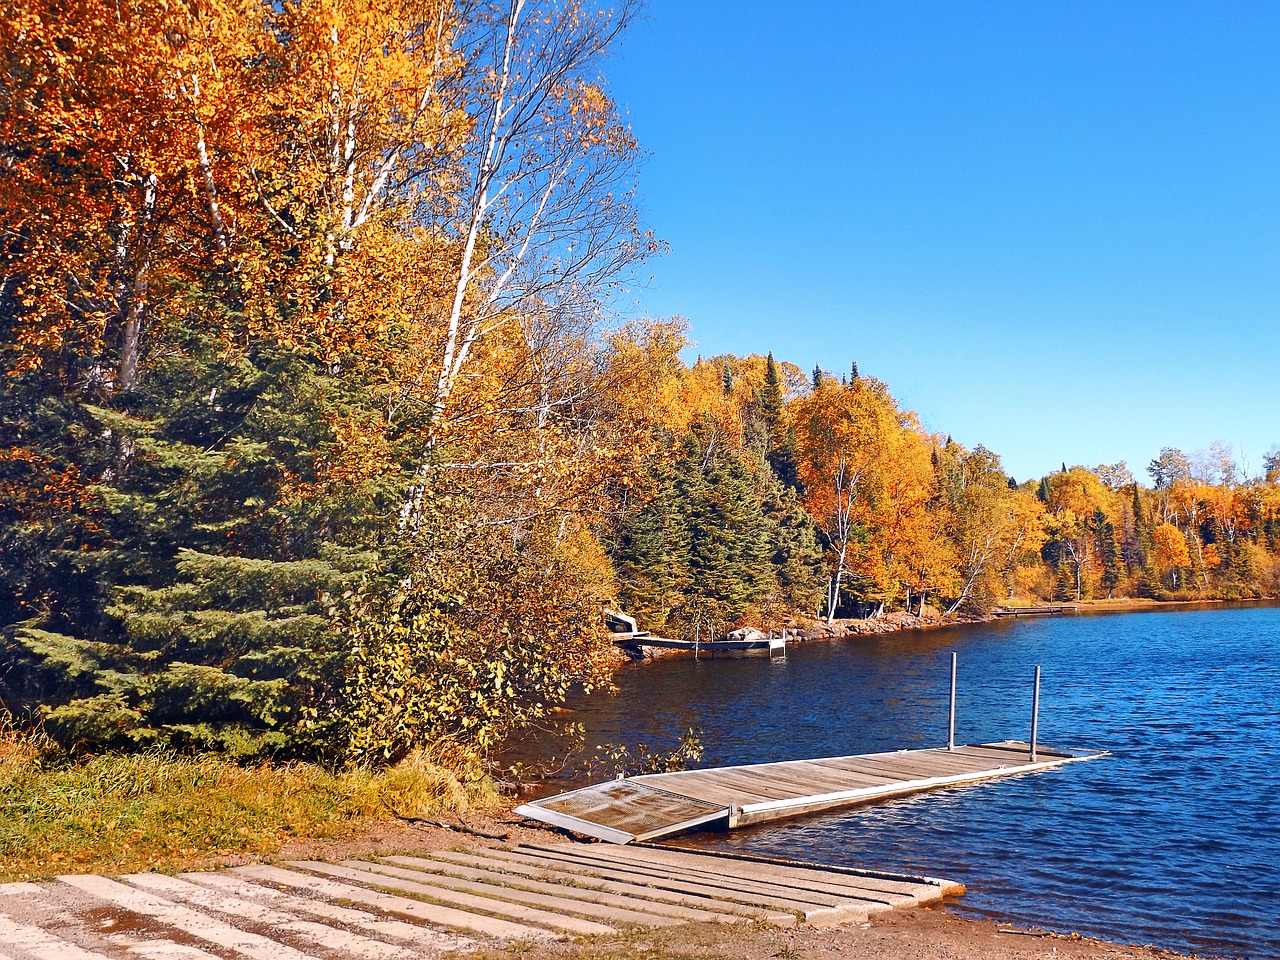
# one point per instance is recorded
(1052, 228)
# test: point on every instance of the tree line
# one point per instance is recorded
(316, 439)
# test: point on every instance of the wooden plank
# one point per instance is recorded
(697, 782)
(794, 781)
(853, 778)
(563, 899)
(351, 872)
(706, 909)
(742, 783)
(622, 810)
(404, 906)
(908, 770)
(806, 779)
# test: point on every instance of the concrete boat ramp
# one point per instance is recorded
(406, 907)
(657, 805)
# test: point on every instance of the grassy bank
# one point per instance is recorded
(157, 811)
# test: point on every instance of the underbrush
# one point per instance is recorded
(160, 811)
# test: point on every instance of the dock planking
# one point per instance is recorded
(656, 805)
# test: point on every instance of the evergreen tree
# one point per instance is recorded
(817, 376)
(1108, 550)
(186, 603)
(1136, 544)
(853, 373)
(728, 536)
(771, 399)
(651, 556)
(797, 556)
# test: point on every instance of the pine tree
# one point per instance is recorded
(853, 373)
(817, 376)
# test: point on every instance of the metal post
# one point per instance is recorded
(951, 723)
(1035, 714)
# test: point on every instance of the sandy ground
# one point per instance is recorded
(923, 933)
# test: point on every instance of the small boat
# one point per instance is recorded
(627, 636)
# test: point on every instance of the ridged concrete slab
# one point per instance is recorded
(409, 907)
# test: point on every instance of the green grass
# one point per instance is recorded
(158, 811)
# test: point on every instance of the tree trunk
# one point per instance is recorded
(131, 329)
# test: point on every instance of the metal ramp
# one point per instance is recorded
(623, 811)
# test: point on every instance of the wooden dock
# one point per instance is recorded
(1048, 610)
(656, 805)
(433, 904)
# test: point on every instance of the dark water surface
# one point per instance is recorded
(1172, 840)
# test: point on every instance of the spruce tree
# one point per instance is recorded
(771, 400)
(1108, 550)
(651, 555)
(797, 556)
(188, 607)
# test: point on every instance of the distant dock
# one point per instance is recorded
(656, 805)
(1049, 610)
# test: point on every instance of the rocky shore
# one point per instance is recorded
(888, 623)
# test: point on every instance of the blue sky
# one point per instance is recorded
(1052, 228)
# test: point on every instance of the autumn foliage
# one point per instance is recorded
(317, 437)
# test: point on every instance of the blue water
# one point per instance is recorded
(1172, 840)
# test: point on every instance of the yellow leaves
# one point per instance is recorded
(1170, 547)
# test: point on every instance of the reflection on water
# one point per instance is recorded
(1174, 839)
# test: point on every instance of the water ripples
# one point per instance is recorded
(1173, 840)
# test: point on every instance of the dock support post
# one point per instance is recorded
(1035, 713)
(951, 721)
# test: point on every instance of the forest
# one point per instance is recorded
(322, 434)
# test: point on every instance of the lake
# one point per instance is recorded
(1173, 840)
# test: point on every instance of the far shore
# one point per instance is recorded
(842, 629)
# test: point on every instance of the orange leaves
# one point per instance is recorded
(38, 490)
(868, 482)
(1170, 547)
